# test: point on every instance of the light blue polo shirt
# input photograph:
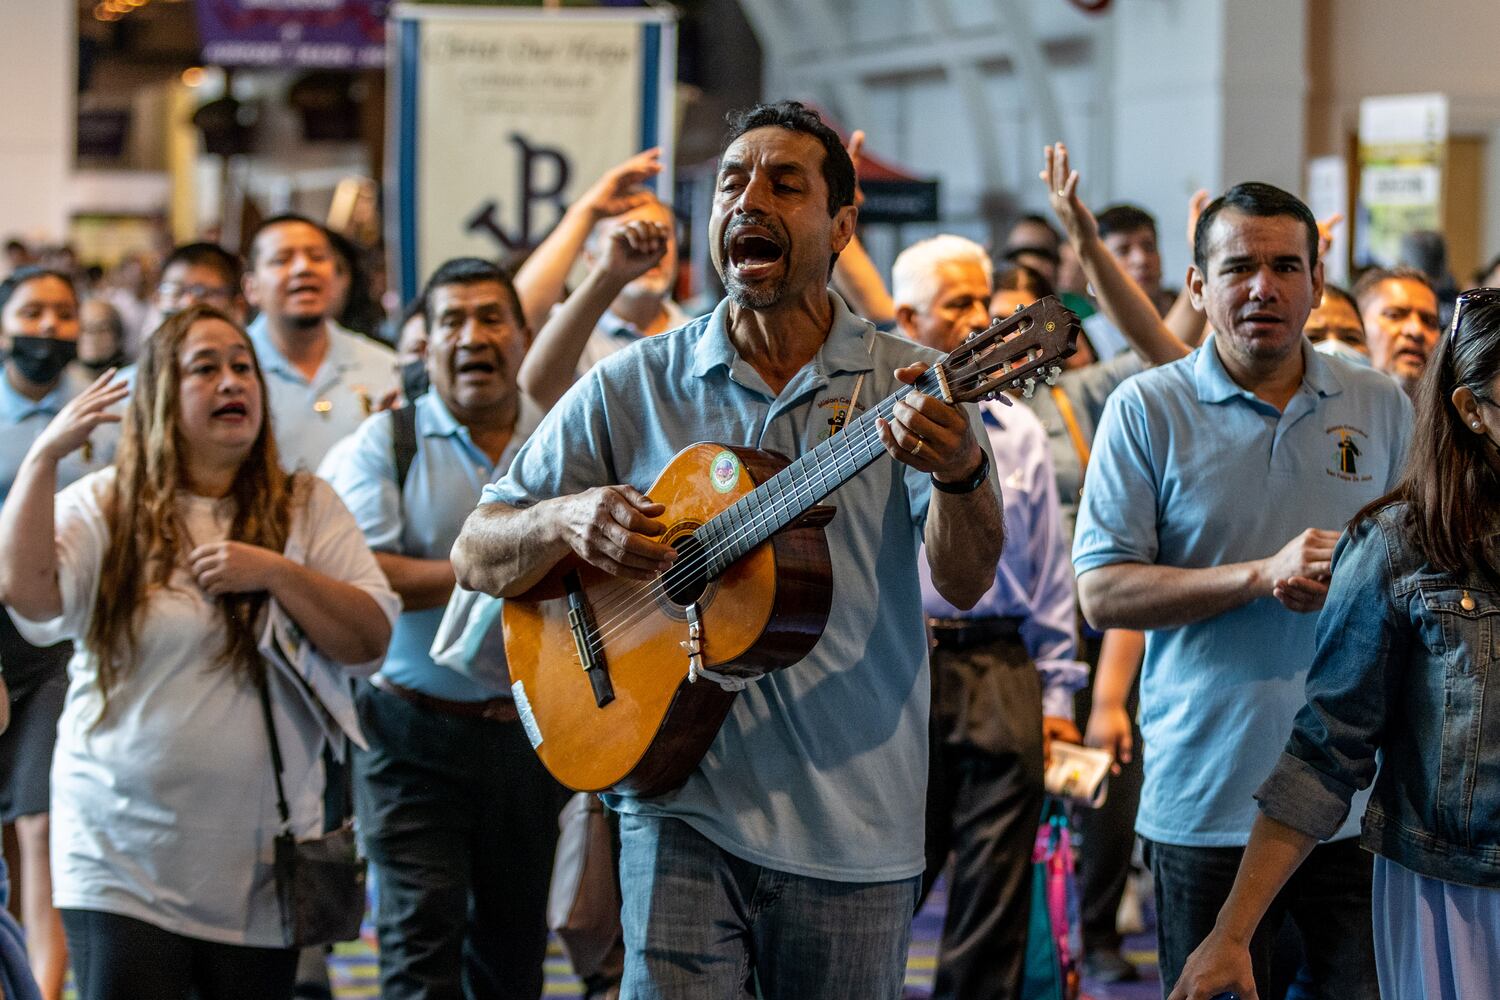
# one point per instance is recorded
(1191, 470)
(309, 416)
(820, 768)
(443, 485)
(22, 421)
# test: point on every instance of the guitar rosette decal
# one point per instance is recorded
(724, 471)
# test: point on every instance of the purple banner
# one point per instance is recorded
(310, 34)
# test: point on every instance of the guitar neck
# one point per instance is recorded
(802, 485)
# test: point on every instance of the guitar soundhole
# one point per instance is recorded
(685, 582)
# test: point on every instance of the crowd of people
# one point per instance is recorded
(1247, 542)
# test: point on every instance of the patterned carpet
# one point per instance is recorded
(354, 973)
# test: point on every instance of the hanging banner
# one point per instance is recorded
(306, 34)
(501, 117)
(1402, 145)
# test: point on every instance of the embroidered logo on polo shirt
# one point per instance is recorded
(838, 416)
(1346, 453)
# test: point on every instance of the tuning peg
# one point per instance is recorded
(1052, 374)
(1028, 388)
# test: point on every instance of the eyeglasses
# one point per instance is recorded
(202, 293)
(1476, 296)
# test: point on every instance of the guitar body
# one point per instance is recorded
(765, 612)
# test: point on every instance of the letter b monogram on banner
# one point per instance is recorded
(503, 116)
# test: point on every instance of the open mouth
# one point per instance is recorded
(477, 366)
(304, 288)
(754, 250)
(231, 411)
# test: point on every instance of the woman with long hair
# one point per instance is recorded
(1405, 693)
(163, 569)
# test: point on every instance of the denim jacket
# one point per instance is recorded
(1404, 691)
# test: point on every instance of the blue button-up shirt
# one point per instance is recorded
(443, 484)
(1191, 470)
(820, 768)
(308, 416)
(1034, 581)
(23, 419)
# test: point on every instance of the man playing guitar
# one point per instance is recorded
(795, 849)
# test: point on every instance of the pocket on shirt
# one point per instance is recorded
(1461, 624)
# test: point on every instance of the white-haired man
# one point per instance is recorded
(1003, 672)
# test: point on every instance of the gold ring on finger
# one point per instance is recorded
(917, 448)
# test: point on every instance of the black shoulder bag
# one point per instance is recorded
(320, 882)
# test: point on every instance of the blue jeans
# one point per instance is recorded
(1327, 899)
(698, 921)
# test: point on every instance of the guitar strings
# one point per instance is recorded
(626, 617)
(647, 593)
(624, 611)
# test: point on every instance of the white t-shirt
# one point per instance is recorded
(166, 811)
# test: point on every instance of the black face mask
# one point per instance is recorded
(40, 360)
(413, 379)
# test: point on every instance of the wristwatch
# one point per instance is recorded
(966, 485)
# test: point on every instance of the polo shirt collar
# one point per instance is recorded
(14, 407)
(1214, 385)
(337, 359)
(847, 348)
(434, 419)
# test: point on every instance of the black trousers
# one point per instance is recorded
(121, 958)
(459, 819)
(984, 800)
(1328, 899)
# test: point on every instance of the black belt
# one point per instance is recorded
(964, 633)
(493, 710)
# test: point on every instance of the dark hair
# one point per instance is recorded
(470, 271)
(111, 316)
(281, 220)
(1037, 220)
(1255, 198)
(30, 272)
(1125, 218)
(1373, 277)
(1013, 277)
(794, 116)
(1330, 290)
(1449, 483)
(210, 255)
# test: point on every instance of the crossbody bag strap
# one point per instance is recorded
(1070, 421)
(276, 768)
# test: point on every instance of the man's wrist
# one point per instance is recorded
(967, 482)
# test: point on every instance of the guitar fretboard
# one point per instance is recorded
(800, 486)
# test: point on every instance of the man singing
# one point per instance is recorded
(794, 850)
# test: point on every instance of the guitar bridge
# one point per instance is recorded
(586, 639)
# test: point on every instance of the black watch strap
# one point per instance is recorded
(967, 485)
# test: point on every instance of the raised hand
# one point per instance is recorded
(619, 190)
(856, 149)
(634, 248)
(929, 434)
(1196, 204)
(70, 429)
(1062, 193)
(1325, 232)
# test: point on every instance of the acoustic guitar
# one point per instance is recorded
(618, 681)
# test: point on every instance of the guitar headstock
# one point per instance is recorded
(1019, 350)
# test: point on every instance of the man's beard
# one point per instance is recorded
(758, 296)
